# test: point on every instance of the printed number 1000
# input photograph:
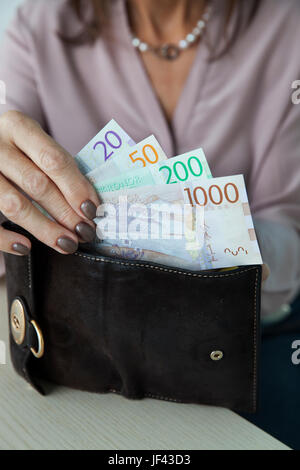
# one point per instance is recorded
(215, 195)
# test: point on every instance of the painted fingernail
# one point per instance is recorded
(89, 209)
(21, 249)
(67, 245)
(85, 231)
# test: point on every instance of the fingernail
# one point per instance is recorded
(89, 209)
(21, 249)
(67, 245)
(85, 231)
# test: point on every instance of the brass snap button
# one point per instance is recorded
(18, 321)
(217, 355)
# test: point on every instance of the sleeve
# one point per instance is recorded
(276, 209)
(17, 70)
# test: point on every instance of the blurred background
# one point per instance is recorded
(7, 9)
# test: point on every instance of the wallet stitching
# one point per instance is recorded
(149, 395)
(255, 344)
(148, 266)
(159, 397)
(29, 272)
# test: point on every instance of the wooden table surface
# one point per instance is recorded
(69, 419)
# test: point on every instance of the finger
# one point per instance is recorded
(265, 272)
(27, 176)
(53, 160)
(21, 211)
(14, 243)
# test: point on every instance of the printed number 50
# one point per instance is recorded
(148, 151)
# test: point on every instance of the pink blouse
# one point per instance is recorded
(238, 108)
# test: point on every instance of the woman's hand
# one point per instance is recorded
(31, 162)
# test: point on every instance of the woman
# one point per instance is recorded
(70, 67)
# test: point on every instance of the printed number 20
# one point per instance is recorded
(109, 137)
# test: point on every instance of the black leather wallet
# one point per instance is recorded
(135, 328)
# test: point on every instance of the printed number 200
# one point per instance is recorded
(183, 173)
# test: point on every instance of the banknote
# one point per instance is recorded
(220, 235)
(229, 233)
(155, 221)
(182, 168)
(146, 153)
(109, 141)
